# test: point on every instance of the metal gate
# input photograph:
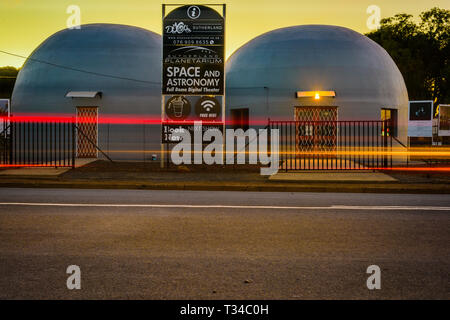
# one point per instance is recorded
(87, 122)
(334, 145)
(313, 139)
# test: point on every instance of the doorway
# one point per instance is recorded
(316, 130)
(239, 119)
(87, 132)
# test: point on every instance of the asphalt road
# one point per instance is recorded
(222, 245)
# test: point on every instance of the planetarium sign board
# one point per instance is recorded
(193, 68)
(193, 51)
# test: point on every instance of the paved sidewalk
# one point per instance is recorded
(44, 171)
(34, 172)
(333, 177)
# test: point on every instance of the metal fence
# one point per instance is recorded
(334, 145)
(5, 140)
(41, 144)
(304, 145)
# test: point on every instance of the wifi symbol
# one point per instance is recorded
(207, 105)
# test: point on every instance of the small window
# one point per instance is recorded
(239, 118)
(391, 115)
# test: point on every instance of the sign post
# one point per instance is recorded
(193, 70)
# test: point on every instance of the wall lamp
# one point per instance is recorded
(315, 94)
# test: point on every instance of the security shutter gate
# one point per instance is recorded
(316, 130)
(87, 132)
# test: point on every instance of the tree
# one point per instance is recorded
(7, 79)
(421, 52)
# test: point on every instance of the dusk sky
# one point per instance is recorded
(24, 24)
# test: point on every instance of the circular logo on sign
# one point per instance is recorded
(207, 108)
(178, 108)
(193, 12)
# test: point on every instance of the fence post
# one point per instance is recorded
(10, 141)
(269, 134)
(385, 132)
(390, 142)
(73, 142)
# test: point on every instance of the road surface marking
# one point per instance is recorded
(332, 207)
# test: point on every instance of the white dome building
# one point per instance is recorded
(265, 75)
(113, 68)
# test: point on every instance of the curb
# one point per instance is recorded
(268, 187)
